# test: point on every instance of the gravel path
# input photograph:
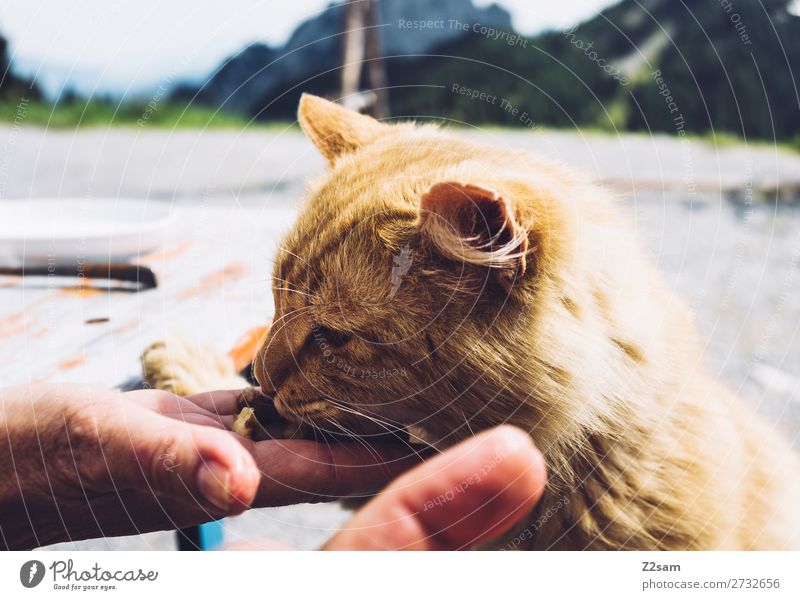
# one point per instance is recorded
(706, 215)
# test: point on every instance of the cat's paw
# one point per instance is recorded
(185, 368)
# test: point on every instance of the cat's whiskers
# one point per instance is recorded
(466, 422)
(281, 248)
(292, 313)
(355, 437)
(387, 423)
(314, 429)
(300, 424)
(291, 291)
(285, 282)
(391, 429)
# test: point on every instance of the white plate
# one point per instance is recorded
(65, 230)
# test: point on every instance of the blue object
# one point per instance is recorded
(208, 536)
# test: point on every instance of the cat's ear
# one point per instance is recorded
(474, 225)
(335, 130)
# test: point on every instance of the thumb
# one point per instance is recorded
(471, 493)
(196, 464)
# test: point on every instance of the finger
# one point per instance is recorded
(166, 403)
(471, 493)
(209, 420)
(306, 471)
(178, 407)
(225, 402)
(190, 463)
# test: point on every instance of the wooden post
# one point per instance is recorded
(376, 69)
(362, 43)
(353, 49)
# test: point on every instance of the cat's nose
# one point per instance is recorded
(275, 358)
(259, 371)
(263, 380)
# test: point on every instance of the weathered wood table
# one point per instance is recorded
(213, 286)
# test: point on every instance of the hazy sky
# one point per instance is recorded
(115, 44)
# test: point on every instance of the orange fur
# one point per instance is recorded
(523, 299)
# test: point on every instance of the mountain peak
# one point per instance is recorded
(407, 27)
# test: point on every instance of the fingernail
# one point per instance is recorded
(214, 482)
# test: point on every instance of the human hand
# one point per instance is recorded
(473, 492)
(301, 470)
(83, 461)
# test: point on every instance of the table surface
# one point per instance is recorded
(213, 286)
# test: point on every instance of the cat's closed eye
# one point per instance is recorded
(337, 339)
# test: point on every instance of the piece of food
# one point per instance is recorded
(245, 422)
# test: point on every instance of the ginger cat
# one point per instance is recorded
(440, 285)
